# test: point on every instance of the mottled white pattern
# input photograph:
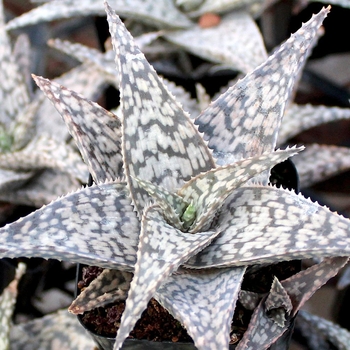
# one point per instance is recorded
(86, 121)
(108, 287)
(162, 249)
(208, 191)
(265, 224)
(160, 142)
(162, 13)
(197, 298)
(59, 230)
(245, 120)
(236, 42)
(60, 330)
(263, 330)
(7, 305)
(298, 118)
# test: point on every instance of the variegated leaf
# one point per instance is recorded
(277, 303)
(196, 298)
(14, 95)
(86, 122)
(208, 191)
(338, 336)
(243, 49)
(44, 187)
(60, 330)
(109, 286)
(245, 120)
(7, 304)
(162, 249)
(248, 299)
(43, 153)
(161, 14)
(155, 147)
(12, 180)
(220, 6)
(261, 224)
(303, 285)
(327, 161)
(263, 330)
(22, 53)
(298, 118)
(102, 213)
(172, 205)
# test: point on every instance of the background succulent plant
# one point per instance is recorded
(165, 160)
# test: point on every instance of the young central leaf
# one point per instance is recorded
(189, 216)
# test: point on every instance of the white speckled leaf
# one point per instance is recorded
(327, 161)
(87, 121)
(171, 204)
(248, 299)
(44, 187)
(162, 13)
(277, 303)
(11, 180)
(196, 298)
(245, 120)
(108, 287)
(301, 286)
(263, 330)
(23, 54)
(208, 191)
(261, 224)
(236, 42)
(338, 336)
(298, 118)
(7, 305)
(60, 330)
(278, 297)
(43, 153)
(160, 142)
(220, 6)
(162, 249)
(95, 225)
(14, 95)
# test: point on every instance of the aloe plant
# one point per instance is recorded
(163, 210)
(179, 24)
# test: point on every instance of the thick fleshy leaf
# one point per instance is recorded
(11, 180)
(208, 191)
(329, 331)
(298, 118)
(262, 330)
(14, 95)
(261, 224)
(162, 249)
(161, 14)
(196, 298)
(303, 285)
(23, 54)
(86, 122)
(44, 153)
(173, 206)
(38, 190)
(85, 79)
(327, 161)
(108, 287)
(245, 120)
(235, 43)
(95, 225)
(60, 330)
(220, 6)
(7, 305)
(160, 142)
